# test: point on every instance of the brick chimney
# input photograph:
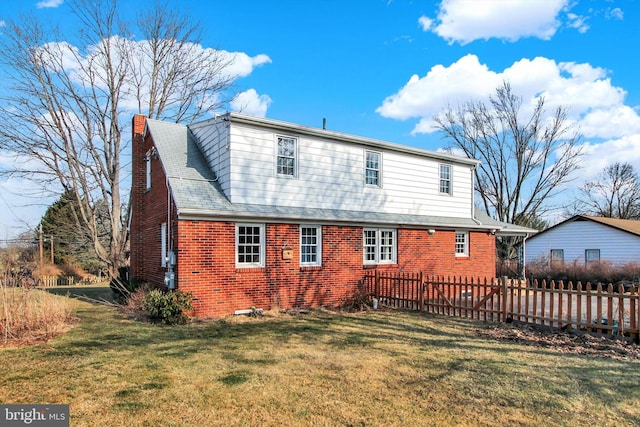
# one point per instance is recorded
(138, 181)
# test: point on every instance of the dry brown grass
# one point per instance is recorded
(319, 368)
(32, 315)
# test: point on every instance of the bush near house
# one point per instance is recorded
(170, 307)
(603, 272)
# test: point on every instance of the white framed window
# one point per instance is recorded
(163, 244)
(379, 246)
(592, 256)
(373, 168)
(250, 245)
(148, 171)
(462, 243)
(310, 245)
(445, 179)
(556, 257)
(286, 157)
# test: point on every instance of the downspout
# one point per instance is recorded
(170, 261)
(473, 195)
(524, 257)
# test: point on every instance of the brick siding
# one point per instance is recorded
(205, 252)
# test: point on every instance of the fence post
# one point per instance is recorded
(421, 293)
(376, 291)
(504, 315)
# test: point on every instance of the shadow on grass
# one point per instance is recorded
(86, 292)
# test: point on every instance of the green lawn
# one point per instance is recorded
(317, 369)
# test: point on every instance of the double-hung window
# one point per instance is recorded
(445, 179)
(380, 246)
(286, 162)
(310, 245)
(372, 168)
(250, 245)
(556, 257)
(462, 243)
(592, 256)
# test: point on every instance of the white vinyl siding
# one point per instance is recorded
(462, 243)
(250, 245)
(310, 245)
(380, 246)
(330, 176)
(373, 168)
(213, 138)
(575, 237)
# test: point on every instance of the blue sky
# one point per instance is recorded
(383, 68)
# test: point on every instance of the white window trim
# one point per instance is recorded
(148, 171)
(263, 246)
(440, 166)
(466, 244)
(318, 261)
(296, 156)
(163, 244)
(379, 184)
(394, 249)
(593, 261)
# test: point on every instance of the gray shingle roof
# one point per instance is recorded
(198, 195)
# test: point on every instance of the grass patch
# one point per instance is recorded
(322, 368)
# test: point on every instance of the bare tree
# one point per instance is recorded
(68, 107)
(615, 193)
(525, 161)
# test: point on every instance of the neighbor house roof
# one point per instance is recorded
(626, 225)
(198, 195)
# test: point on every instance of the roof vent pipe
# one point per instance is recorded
(324, 123)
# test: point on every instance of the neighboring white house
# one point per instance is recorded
(586, 239)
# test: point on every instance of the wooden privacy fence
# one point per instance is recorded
(596, 309)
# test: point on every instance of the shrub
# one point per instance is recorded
(31, 315)
(359, 301)
(169, 307)
(602, 272)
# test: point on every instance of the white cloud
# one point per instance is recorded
(586, 90)
(598, 155)
(424, 97)
(2, 24)
(242, 64)
(577, 22)
(615, 13)
(249, 102)
(611, 123)
(425, 23)
(49, 3)
(464, 21)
